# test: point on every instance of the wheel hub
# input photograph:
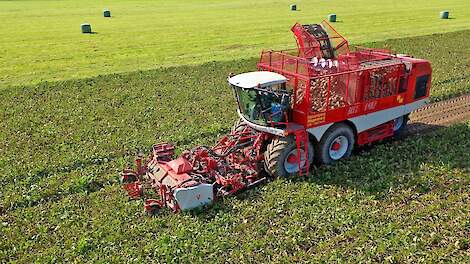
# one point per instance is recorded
(338, 148)
(291, 163)
(292, 158)
(397, 123)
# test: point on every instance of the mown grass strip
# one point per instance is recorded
(146, 34)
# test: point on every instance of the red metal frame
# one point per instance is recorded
(233, 164)
(365, 81)
(310, 46)
(376, 133)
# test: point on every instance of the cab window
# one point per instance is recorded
(421, 85)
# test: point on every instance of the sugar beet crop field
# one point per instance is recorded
(64, 143)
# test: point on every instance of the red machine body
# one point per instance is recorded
(334, 84)
(198, 176)
(314, 103)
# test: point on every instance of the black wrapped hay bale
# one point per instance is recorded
(444, 14)
(332, 17)
(293, 7)
(86, 28)
(106, 13)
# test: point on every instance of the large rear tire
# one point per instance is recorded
(280, 157)
(238, 126)
(337, 143)
(399, 124)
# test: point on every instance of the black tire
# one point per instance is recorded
(153, 210)
(334, 133)
(399, 129)
(238, 126)
(128, 176)
(277, 152)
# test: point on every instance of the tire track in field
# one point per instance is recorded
(439, 114)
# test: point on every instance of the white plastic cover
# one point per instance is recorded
(253, 79)
(195, 196)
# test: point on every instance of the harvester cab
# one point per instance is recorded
(313, 103)
(262, 98)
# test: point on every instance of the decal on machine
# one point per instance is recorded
(400, 99)
(370, 105)
(353, 109)
(316, 119)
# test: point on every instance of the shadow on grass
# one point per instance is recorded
(400, 162)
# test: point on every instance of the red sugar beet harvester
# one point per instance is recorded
(310, 104)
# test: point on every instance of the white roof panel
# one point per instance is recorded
(253, 79)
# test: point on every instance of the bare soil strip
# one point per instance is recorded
(440, 114)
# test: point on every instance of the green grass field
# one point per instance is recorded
(41, 40)
(64, 143)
